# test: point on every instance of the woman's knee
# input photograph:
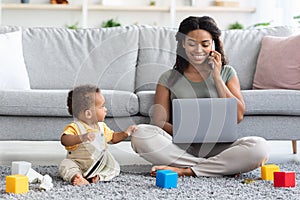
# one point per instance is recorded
(144, 131)
(140, 137)
(260, 149)
(148, 137)
(263, 147)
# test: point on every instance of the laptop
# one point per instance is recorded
(204, 120)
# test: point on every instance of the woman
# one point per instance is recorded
(200, 71)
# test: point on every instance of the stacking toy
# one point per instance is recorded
(166, 179)
(267, 171)
(284, 179)
(17, 184)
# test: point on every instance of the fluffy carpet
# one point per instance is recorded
(135, 182)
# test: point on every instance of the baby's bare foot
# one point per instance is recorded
(95, 179)
(79, 180)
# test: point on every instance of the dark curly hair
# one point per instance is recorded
(190, 24)
(81, 98)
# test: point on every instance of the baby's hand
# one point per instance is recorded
(130, 130)
(88, 137)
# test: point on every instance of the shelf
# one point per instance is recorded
(19, 6)
(84, 8)
(125, 8)
(215, 9)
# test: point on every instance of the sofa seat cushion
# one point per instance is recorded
(120, 103)
(54, 103)
(272, 102)
(258, 102)
(146, 101)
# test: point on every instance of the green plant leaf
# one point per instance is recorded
(297, 17)
(152, 3)
(235, 25)
(73, 26)
(110, 23)
(262, 24)
(259, 25)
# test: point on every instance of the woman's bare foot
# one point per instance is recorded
(79, 180)
(179, 171)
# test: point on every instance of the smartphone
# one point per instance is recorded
(210, 62)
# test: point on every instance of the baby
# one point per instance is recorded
(85, 139)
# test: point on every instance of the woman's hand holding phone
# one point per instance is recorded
(210, 60)
(211, 56)
(215, 64)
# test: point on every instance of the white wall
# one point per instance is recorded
(278, 11)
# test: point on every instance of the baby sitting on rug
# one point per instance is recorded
(85, 139)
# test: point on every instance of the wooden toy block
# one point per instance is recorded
(166, 179)
(17, 184)
(284, 179)
(267, 171)
(20, 167)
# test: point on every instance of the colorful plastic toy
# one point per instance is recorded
(166, 179)
(20, 167)
(284, 179)
(267, 171)
(17, 184)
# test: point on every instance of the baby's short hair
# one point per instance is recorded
(81, 98)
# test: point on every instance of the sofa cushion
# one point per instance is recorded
(272, 102)
(157, 54)
(105, 57)
(146, 101)
(13, 72)
(278, 65)
(7, 29)
(242, 49)
(54, 103)
(258, 102)
(34, 102)
(120, 103)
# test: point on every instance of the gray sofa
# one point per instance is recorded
(126, 63)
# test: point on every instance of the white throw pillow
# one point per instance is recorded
(13, 72)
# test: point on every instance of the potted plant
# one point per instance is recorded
(235, 25)
(152, 3)
(110, 23)
(72, 26)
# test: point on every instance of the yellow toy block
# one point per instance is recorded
(17, 184)
(267, 171)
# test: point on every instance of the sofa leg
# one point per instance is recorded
(294, 143)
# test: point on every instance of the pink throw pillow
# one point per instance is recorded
(278, 64)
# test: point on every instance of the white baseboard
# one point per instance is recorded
(52, 153)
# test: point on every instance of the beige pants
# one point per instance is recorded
(155, 145)
(108, 169)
